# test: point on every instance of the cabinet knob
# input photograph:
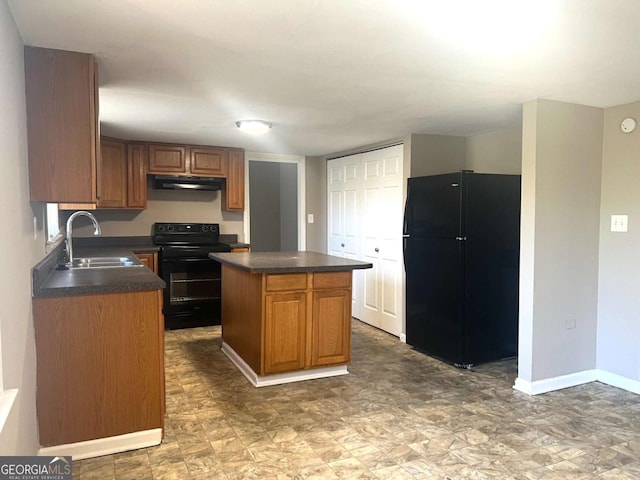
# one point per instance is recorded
(376, 250)
(342, 244)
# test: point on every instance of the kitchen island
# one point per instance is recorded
(286, 316)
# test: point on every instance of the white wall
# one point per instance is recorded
(561, 171)
(316, 203)
(496, 152)
(20, 250)
(435, 154)
(527, 241)
(618, 304)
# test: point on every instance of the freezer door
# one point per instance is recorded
(433, 206)
(434, 296)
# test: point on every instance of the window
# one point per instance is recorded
(53, 222)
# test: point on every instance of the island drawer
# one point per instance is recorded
(332, 280)
(286, 281)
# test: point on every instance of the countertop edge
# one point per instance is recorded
(305, 269)
(75, 291)
(288, 268)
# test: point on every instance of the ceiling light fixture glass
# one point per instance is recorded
(253, 126)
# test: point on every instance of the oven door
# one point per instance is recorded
(192, 294)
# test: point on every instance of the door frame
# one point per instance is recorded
(299, 160)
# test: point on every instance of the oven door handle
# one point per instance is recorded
(187, 259)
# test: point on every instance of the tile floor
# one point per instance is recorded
(399, 414)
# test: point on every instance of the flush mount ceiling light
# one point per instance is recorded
(253, 126)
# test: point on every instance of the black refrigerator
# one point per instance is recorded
(461, 254)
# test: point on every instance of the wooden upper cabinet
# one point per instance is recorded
(112, 174)
(122, 178)
(62, 123)
(167, 159)
(137, 175)
(235, 181)
(208, 161)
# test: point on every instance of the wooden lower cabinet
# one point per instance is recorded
(307, 322)
(100, 365)
(287, 322)
(331, 327)
(285, 332)
(149, 260)
(287, 327)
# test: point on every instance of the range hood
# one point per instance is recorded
(169, 182)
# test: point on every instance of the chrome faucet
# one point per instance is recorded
(96, 230)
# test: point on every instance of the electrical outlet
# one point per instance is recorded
(619, 223)
(570, 324)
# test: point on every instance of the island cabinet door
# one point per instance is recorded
(331, 327)
(285, 332)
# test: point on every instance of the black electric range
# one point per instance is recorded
(192, 295)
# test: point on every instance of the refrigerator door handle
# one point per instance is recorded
(404, 251)
(408, 212)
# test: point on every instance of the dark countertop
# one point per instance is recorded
(288, 262)
(232, 240)
(239, 245)
(49, 282)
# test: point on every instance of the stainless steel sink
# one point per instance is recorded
(104, 262)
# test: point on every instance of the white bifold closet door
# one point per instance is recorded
(342, 208)
(365, 222)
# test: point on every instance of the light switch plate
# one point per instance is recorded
(309, 217)
(619, 223)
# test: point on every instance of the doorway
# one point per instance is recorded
(274, 204)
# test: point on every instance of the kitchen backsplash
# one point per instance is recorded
(163, 206)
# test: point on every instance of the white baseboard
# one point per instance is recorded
(105, 446)
(280, 378)
(618, 381)
(574, 379)
(403, 337)
(555, 383)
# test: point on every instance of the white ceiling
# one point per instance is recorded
(337, 74)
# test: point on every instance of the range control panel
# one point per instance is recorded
(164, 228)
